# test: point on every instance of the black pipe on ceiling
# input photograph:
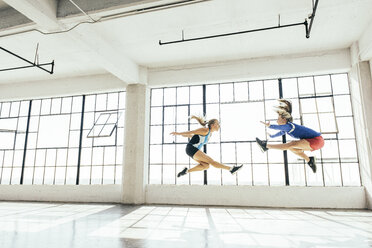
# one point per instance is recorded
(32, 64)
(305, 23)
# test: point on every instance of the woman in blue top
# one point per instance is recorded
(199, 138)
(309, 140)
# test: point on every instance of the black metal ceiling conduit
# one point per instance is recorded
(311, 17)
(28, 66)
(305, 23)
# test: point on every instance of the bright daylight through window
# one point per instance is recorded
(319, 102)
(46, 141)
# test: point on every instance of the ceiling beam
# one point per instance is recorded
(43, 13)
(105, 55)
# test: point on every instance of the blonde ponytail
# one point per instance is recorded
(201, 120)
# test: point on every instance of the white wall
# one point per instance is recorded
(253, 196)
(61, 193)
(361, 94)
(253, 69)
(61, 87)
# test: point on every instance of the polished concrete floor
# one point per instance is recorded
(52, 225)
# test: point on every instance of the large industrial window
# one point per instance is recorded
(319, 102)
(64, 140)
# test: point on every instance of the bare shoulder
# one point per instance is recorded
(201, 131)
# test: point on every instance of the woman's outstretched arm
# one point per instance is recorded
(200, 131)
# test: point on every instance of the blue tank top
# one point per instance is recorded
(199, 141)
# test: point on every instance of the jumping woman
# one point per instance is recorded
(199, 138)
(309, 140)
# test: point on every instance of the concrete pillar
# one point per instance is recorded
(136, 147)
(361, 94)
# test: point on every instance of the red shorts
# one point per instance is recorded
(316, 143)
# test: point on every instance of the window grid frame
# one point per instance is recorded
(36, 112)
(340, 162)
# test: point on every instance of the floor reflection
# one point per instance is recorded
(107, 225)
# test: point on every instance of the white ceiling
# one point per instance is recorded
(338, 23)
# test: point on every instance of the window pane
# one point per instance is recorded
(231, 129)
(169, 115)
(45, 106)
(228, 154)
(90, 103)
(113, 101)
(327, 122)
(345, 127)
(155, 174)
(156, 97)
(260, 174)
(196, 94)
(168, 138)
(241, 91)
(108, 174)
(60, 175)
(156, 116)
(340, 84)
(169, 96)
(276, 172)
(24, 108)
(182, 115)
(245, 175)
(14, 109)
(348, 151)
(227, 92)
(56, 106)
(35, 109)
(308, 106)
(296, 174)
(56, 127)
(350, 174)
(66, 104)
(212, 93)
(306, 86)
(255, 90)
(156, 154)
(213, 111)
(342, 106)
(183, 95)
(290, 88)
(77, 102)
(332, 174)
(101, 102)
(324, 104)
(322, 85)
(271, 89)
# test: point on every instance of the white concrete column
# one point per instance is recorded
(361, 94)
(136, 148)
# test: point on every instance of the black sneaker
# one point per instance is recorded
(262, 144)
(235, 169)
(182, 173)
(312, 164)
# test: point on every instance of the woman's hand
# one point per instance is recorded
(174, 133)
(266, 123)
